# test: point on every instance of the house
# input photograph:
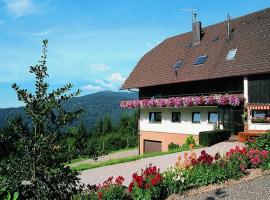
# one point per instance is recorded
(208, 78)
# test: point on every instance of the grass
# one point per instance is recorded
(85, 166)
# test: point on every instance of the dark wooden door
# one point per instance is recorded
(151, 146)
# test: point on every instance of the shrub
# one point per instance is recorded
(208, 138)
(110, 190)
(189, 141)
(174, 180)
(173, 146)
(147, 185)
(262, 142)
(217, 172)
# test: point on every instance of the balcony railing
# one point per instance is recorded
(211, 100)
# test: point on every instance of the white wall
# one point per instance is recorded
(259, 126)
(246, 89)
(184, 127)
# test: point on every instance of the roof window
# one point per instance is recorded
(178, 64)
(200, 60)
(231, 54)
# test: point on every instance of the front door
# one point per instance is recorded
(231, 118)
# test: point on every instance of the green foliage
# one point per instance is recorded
(262, 142)
(173, 146)
(174, 180)
(208, 138)
(218, 172)
(186, 146)
(34, 167)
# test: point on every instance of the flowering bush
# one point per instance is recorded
(147, 185)
(251, 158)
(110, 190)
(174, 180)
(223, 100)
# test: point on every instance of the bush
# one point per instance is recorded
(174, 180)
(262, 142)
(208, 138)
(110, 190)
(173, 146)
(147, 185)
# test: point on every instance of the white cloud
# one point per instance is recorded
(101, 67)
(19, 8)
(104, 83)
(43, 33)
(91, 87)
(117, 78)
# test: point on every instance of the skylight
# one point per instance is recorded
(231, 54)
(200, 60)
(178, 64)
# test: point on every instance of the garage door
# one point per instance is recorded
(151, 146)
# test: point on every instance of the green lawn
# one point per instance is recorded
(85, 166)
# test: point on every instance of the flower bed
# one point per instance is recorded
(223, 100)
(191, 171)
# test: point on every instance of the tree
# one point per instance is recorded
(35, 169)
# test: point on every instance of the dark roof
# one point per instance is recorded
(250, 35)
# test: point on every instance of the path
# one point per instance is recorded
(111, 156)
(255, 189)
(98, 175)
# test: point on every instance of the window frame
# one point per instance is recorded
(180, 117)
(149, 117)
(196, 122)
(209, 113)
(231, 52)
(195, 62)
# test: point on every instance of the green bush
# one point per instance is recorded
(217, 172)
(173, 146)
(208, 138)
(188, 141)
(174, 180)
(262, 142)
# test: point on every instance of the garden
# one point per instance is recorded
(189, 172)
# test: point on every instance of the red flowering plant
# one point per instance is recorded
(147, 184)
(110, 190)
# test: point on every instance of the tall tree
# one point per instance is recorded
(36, 168)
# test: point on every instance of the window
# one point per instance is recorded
(260, 116)
(176, 116)
(231, 54)
(200, 60)
(196, 117)
(154, 117)
(261, 113)
(212, 117)
(178, 64)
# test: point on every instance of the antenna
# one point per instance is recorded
(228, 25)
(193, 12)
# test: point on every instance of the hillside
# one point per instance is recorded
(95, 106)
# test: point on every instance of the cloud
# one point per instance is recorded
(101, 67)
(91, 87)
(43, 33)
(104, 83)
(117, 78)
(19, 8)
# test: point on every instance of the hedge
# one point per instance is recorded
(208, 138)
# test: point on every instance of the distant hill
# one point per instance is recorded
(95, 106)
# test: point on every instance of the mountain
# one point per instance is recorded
(95, 106)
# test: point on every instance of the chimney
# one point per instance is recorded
(196, 32)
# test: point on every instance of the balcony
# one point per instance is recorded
(187, 101)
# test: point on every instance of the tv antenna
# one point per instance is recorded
(192, 11)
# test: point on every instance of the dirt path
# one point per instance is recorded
(98, 175)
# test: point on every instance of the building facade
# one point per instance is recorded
(217, 77)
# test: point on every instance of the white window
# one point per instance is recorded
(155, 117)
(231, 54)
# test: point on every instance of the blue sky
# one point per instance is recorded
(94, 44)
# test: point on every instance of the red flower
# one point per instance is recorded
(264, 153)
(130, 187)
(100, 195)
(153, 181)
